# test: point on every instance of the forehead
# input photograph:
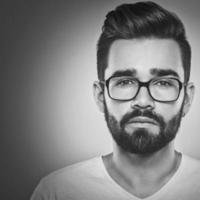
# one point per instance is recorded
(144, 56)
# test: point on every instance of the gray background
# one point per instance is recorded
(48, 64)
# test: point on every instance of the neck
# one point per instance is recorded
(163, 158)
(149, 172)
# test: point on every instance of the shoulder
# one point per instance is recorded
(191, 162)
(64, 182)
(68, 179)
(69, 173)
(191, 167)
(189, 177)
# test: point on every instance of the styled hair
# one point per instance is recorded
(141, 20)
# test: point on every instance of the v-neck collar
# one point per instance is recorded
(154, 195)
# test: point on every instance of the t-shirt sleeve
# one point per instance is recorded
(41, 192)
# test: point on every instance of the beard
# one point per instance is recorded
(141, 140)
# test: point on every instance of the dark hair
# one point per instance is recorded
(141, 20)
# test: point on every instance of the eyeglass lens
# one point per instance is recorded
(161, 89)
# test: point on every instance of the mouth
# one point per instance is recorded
(142, 120)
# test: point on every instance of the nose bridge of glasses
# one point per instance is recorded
(142, 86)
(143, 95)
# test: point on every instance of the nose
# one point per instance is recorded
(143, 100)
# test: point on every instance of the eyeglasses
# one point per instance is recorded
(161, 89)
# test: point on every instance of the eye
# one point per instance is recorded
(164, 83)
(125, 82)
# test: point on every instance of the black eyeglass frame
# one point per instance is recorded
(145, 84)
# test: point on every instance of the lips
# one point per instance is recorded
(143, 120)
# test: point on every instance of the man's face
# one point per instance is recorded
(143, 125)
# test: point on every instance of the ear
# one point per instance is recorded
(190, 89)
(98, 95)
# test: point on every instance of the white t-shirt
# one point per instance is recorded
(89, 180)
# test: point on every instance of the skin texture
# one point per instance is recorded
(143, 175)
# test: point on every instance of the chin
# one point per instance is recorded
(148, 130)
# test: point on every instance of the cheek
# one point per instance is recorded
(169, 110)
(166, 111)
(116, 108)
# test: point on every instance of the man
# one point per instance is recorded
(143, 62)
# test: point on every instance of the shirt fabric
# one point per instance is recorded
(89, 180)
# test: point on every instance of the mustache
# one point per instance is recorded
(142, 113)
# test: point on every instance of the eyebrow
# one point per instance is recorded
(163, 72)
(155, 71)
(127, 72)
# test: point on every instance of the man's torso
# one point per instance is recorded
(89, 180)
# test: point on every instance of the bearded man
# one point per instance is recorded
(143, 64)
